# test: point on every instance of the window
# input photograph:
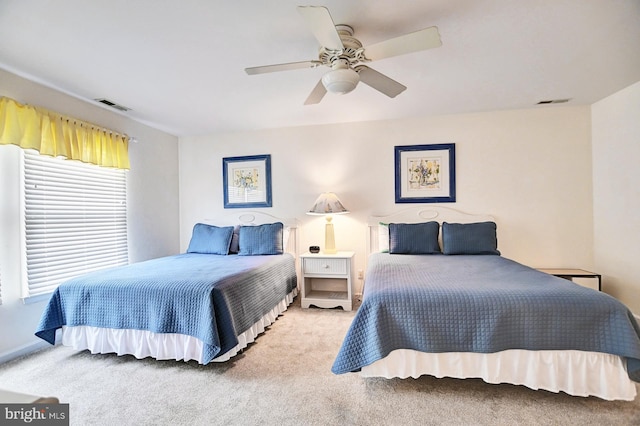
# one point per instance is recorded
(75, 220)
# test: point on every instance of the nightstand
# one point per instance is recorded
(570, 274)
(326, 280)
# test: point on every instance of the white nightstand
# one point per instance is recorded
(326, 280)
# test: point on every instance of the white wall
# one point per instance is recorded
(616, 193)
(530, 169)
(153, 222)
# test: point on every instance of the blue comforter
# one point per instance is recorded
(211, 297)
(481, 304)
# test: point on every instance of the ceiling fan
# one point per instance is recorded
(344, 54)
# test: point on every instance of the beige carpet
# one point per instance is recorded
(285, 379)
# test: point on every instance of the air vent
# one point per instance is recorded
(553, 101)
(113, 104)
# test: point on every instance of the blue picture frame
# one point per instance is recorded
(425, 173)
(247, 181)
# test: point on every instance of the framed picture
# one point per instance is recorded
(247, 181)
(425, 173)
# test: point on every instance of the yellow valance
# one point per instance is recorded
(52, 134)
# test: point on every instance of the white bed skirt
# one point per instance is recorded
(161, 346)
(574, 372)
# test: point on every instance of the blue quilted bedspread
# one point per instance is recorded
(211, 297)
(484, 304)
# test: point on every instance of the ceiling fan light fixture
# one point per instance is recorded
(340, 81)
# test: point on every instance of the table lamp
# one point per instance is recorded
(328, 204)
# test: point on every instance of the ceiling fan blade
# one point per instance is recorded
(282, 67)
(408, 43)
(379, 81)
(316, 94)
(322, 26)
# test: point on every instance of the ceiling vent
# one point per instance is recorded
(553, 101)
(112, 104)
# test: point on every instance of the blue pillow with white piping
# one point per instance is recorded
(470, 238)
(209, 239)
(261, 239)
(414, 238)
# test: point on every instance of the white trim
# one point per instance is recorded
(251, 218)
(27, 300)
(23, 350)
(437, 213)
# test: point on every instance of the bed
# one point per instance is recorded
(440, 300)
(208, 304)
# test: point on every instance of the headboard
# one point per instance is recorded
(260, 218)
(416, 215)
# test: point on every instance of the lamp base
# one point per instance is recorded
(329, 238)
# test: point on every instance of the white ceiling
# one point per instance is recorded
(179, 65)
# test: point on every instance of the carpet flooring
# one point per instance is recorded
(284, 378)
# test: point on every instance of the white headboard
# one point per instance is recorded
(260, 218)
(417, 215)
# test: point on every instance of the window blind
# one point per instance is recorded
(75, 220)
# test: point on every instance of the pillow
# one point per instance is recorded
(209, 239)
(261, 239)
(383, 237)
(234, 248)
(469, 238)
(414, 238)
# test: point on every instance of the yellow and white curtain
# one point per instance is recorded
(52, 134)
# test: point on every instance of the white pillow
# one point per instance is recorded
(383, 237)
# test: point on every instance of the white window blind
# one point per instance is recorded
(75, 220)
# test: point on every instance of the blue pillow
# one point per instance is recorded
(209, 239)
(414, 238)
(261, 239)
(469, 238)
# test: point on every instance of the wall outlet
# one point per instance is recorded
(360, 274)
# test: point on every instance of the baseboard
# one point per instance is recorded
(23, 350)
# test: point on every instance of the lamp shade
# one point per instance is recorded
(326, 204)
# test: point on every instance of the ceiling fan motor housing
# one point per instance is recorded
(352, 51)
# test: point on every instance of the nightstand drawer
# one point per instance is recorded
(325, 266)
